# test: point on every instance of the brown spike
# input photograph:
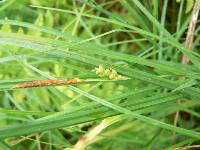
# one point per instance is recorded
(40, 83)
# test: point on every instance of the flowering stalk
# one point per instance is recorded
(40, 83)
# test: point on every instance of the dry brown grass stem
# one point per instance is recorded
(188, 43)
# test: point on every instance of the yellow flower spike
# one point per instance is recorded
(114, 72)
(111, 76)
(100, 71)
(107, 72)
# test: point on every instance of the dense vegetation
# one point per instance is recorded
(136, 61)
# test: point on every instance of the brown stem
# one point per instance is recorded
(191, 30)
(188, 44)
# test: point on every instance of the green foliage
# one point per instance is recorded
(128, 103)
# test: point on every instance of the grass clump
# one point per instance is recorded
(136, 67)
